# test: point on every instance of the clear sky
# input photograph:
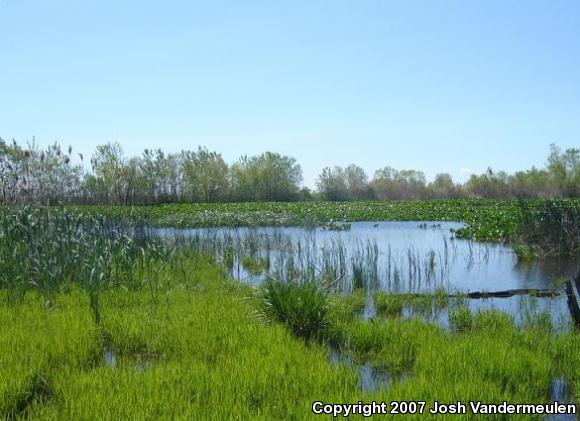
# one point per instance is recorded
(432, 85)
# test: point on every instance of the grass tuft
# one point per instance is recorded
(302, 307)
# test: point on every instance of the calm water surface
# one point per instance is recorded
(388, 256)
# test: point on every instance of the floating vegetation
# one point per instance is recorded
(485, 219)
(336, 226)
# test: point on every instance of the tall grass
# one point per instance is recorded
(36, 343)
(552, 230)
(50, 249)
(335, 263)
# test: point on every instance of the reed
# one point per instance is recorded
(52, 249)
(254, 254)
(551, 230)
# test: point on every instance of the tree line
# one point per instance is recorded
(559, 178)
(31, 174)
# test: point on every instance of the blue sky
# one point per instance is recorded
(432, 85)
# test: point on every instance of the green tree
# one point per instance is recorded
(443, 186)
(111, 171)
(358, 183)
(332, 184)
(205, 175)
(564, 168)
(488, 184)
(389, 183)
(269, 176)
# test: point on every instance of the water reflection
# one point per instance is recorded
(391, 256)
(110, 358)
(397, 257)
(525, 310)
(370, 378)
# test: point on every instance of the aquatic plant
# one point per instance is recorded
(389, 305)
(551, 230)
(302, 307)
(336, 226)
(460, 319)
(485, 219)
(48, 249)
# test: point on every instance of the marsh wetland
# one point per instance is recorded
(109, 315)
(390, 257)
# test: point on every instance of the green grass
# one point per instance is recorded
(48, 249)
(255, 265)
(188, 345)
(491, 361)
(302, 307)
(206, 358)
(37, 342)
(392, 305)
(197, 351)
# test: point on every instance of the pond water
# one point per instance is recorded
(560, 392)
(398, 257)
(524, 309)
(370, 379)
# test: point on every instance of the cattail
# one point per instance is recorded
(42, 156)
(81, 156)
(66, 159)
(27, 154)
(70, 149)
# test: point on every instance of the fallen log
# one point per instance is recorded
(537, 292)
